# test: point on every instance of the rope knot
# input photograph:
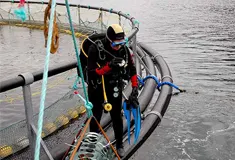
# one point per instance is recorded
(89, 105)
(136, 22)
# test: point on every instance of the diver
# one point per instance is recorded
(116, 65)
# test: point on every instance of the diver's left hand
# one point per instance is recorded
(133, 99)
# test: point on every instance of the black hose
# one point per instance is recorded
(152, 120)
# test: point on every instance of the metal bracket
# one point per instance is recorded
(156, 56)
(28, 78)
(166, 76)
(42, 143)
(156, 113)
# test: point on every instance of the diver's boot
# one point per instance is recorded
(120, 151)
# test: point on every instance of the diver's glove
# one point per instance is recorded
(133, 99)
(103, 70)
(116, 62)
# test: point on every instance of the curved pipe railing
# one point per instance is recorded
(19, 80)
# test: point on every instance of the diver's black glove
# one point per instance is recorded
(133, 99)
(115, 63)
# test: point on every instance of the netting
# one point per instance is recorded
(70, 106)
(57, 115)
(85, 20)
(93, 147)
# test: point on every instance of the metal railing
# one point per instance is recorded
(26, 79)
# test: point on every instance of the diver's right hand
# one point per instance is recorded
(116, 62)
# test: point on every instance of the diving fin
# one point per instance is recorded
(127, 114)
(128, 108)
(137, 119)
(138, 124)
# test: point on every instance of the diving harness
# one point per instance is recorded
(100, 47)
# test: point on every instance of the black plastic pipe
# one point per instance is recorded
(151, 121)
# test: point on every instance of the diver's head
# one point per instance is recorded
(115, 36)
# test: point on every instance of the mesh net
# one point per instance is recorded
(85, 20)
(93, 147)
(57, 115)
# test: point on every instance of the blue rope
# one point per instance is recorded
(44, 83)
(75, 86)
(77, 80)
(170, 84)
(87, 104)
(159, 84)
(127, 42)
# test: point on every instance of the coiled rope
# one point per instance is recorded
(55, 35)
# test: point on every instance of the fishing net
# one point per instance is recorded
(85, 20)
(93, 147)
(57, 116)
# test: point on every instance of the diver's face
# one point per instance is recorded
(116, 45)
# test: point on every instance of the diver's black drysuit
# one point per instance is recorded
(113, 78)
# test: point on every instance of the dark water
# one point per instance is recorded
(197, 39)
